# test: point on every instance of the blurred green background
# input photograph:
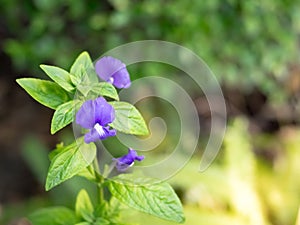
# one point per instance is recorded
(251, 46)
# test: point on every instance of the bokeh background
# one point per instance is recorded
(251, 46)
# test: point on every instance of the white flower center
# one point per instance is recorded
(110, 80)
(99, 129)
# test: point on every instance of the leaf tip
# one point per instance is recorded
(19, 81)
(42, 66)
(84, 53)
(52, 131)
(146, 131)
(182, 219)
(48, 186)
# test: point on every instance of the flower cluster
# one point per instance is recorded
(96, 115)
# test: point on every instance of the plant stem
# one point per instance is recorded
(100, 180)
(101, 194)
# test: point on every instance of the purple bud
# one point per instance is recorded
(112, 70)
(126, 161)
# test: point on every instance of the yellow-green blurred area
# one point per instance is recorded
(251, 46)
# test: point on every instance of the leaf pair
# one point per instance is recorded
(85, 214)
(90, 215)
(58, 95)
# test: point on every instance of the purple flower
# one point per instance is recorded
(126, 161)
(95, 115)
(113, 71)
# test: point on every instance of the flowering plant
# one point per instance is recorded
(96, 109)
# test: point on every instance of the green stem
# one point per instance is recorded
(96, 165)
(100, 180)
(101, 195)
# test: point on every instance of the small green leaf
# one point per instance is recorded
(45, 92)
(102, 209)
(84, 86)
(70, 160)
(128, 119)
(83, 223)
(102, 221)
(60, 76)
(82, 61)
(82, 70)
(53, 216)
(84, 79)
(64, 115)
(157, 199)
(103, 89)
(84, 207)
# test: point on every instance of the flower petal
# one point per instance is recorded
(126, 161)
(109, 67)
(140, 158)
(121, 79)
(91, 136)
(122, 167)
(128, 158)
(104, 112)
(85, 116)
(110, 132)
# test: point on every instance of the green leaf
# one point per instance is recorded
(102, 209)
(103, 89)
(84, 207)
(82, 61)
(83, 223)
(157, 199)
(64, 115)
(128, 119)
(83, 71)
(59, 148)
(88, 173)
(101, 221)
(45, 92)
(53, 216)
(82, 80)
(70, 160)
(60, 76)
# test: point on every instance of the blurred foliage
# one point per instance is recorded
(246, 43)
(35, 154)
(242, 187)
